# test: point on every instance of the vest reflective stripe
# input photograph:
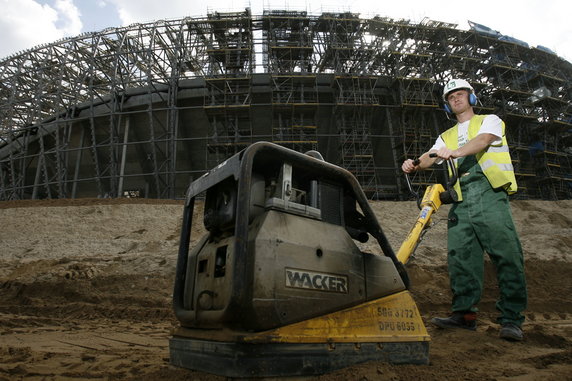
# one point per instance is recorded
(495, 161)
(498, 149)
(489, 163)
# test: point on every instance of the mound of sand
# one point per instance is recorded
(85, 293)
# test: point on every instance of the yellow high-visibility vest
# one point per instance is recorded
(495, 161)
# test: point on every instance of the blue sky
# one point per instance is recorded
(27, 23)
(95, 14)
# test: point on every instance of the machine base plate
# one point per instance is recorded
(288, 359)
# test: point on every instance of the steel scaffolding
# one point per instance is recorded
(144, 109)
(355, 100)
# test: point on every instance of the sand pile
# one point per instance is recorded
(85, 293)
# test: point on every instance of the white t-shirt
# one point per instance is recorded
(492, 124)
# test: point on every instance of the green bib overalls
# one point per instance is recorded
(483, 222)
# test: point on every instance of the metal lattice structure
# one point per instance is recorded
(145, 109)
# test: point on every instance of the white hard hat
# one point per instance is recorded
(456, 84)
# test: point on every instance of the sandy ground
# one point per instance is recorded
(85, 293)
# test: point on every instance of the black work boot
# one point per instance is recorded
(511, 332)
(465, 320)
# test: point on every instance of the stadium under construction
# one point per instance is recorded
(143, 110)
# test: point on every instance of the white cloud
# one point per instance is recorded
(26, 23)
(69, 17)
(141, 11)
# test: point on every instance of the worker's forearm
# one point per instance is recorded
(425, 161)
(478, 144)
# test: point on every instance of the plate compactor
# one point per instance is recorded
(278, 286)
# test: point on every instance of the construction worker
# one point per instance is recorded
(481, 220)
